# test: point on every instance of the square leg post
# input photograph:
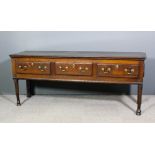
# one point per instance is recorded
(139, 99)
(16, 82)
(29, 88)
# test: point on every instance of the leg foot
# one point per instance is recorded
(18, 104)
(138, 112)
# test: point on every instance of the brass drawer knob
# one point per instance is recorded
(126, 70)
(86, 68)
(117, 66)
(109, 69)
(102, 69)
(80, 68)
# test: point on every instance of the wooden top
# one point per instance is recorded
(81, 54)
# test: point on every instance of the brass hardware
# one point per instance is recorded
(106, 70)
(83, 69)
(22, 67)
(126, 70)
(63, 69)
(109, 69)
(42, 68)
(102, 69)
(129, 71)
(117, 66)
(80, 68)
(86, 68)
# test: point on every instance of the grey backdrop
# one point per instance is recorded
(12, 42)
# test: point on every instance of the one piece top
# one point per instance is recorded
(81, 54)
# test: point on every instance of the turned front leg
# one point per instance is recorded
(28, 88)
(16, 82)
(139, 99)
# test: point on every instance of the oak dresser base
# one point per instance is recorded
(92, 67)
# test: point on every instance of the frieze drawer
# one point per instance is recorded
(83, 69)
(33, 68)
(118, 70)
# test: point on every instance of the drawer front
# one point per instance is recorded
(118, 70)
(33, 68)
(83, 69)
